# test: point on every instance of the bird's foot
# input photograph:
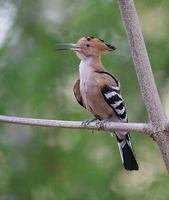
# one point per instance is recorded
(88, 121)
(101, 124)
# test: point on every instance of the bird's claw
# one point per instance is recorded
(101, 124)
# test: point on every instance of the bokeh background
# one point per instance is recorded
(36, 81)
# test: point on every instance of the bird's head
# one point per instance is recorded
(89, 47)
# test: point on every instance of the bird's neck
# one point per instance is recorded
(89, 65)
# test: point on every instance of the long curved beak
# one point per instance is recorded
(68, 46)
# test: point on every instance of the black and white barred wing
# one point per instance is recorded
(114, 99)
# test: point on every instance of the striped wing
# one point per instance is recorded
(111, 92)
(114, 99)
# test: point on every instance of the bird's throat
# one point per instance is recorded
(89, 65)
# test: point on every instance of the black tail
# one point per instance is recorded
(127, 153)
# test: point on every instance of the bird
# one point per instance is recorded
(98, 91)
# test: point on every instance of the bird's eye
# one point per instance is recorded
(87, 45)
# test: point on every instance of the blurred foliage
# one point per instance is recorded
(36, 81)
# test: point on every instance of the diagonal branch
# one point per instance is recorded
(142, 65)
(157, 117)
(109, 126)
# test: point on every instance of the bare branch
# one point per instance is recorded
(147, 84)
(109, 126)
(142, 65)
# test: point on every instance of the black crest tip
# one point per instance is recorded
(101, 40)
(113, 48)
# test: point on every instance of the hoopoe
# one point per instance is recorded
(99, 92)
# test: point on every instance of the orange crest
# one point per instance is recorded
(98, 44)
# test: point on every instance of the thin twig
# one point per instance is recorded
(109, 126)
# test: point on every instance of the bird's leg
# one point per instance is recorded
(88, 121)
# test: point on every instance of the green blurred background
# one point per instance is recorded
(36, 81)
